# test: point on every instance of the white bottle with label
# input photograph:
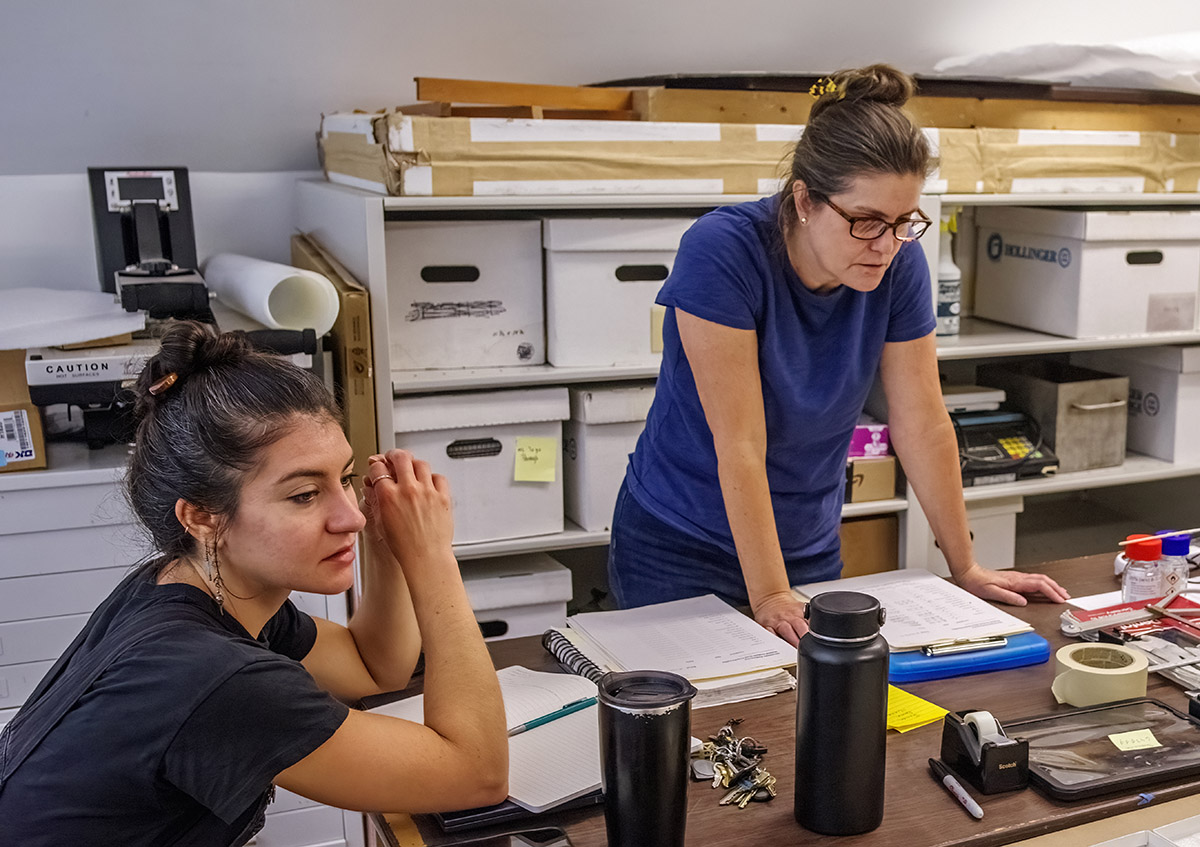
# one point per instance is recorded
(949, 278)
(1143, 575)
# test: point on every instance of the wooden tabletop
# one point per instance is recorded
(916, 810)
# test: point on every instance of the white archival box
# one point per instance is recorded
(602, 275)
(464, 294)
(605, 423)
(1164, 397)
(1088, 274)
(993, 530)
(513, 596)
(471, 438)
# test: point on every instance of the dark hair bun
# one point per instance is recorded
(881, 84)
(186, 347)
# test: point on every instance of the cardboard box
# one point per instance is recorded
(870, 479)
(514, 596)
(959, 161)
(416, 155)
(1088, 274)
(602, 275)
(1081, 412)
(353, 370)
(870, 545)
(465, 294)
(1164, 397)
(870, 438)
(606, 421)
(500, 451)
(993, 531)
(22, 444)
(1028, 161)
(1181, 169)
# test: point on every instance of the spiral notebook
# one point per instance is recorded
(723, 653)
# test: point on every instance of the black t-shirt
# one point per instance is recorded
(178, 741)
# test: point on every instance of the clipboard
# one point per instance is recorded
(1026, 648)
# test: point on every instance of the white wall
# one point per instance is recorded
(225, 86)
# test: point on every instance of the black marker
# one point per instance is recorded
(942, 774)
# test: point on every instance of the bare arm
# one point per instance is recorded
(459, 757)
(924, 440)
(724, 362)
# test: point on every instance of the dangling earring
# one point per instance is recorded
(213, 568)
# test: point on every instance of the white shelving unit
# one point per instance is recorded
(351, 224)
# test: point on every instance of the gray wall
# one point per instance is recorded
(239, 85)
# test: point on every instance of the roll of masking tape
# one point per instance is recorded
(984, 728)
(1098, 673)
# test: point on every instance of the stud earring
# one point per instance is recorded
(804, 221)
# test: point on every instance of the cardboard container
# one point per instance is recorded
(353, 371)
(606, 421)
(993, 532)
(465, 294)
(1181, 169)
(602, 275)
(1164, 397)
(1088, 274)
(1081, 412)
(514, 596)
(870, 479)
(22, 444)
(1025, 161)
(416, 155)
(870, 545)
(870, 438)
(500, 452)
(959, 162)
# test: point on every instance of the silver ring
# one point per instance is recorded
(376, 479)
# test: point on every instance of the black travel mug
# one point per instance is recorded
(645, 748)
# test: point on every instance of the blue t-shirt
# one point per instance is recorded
(817, 356)
(178, 741)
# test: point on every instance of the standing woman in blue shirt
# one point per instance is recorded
(780, 313)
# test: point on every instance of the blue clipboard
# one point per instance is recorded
(1028, 648)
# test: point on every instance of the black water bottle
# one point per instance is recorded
(841, 715)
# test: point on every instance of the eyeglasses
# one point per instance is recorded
(868, 229)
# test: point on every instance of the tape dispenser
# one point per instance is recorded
(975, 745)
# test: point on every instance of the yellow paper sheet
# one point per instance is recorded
(907, 711)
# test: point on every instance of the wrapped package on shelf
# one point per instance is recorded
(1039, 161)
(1181, 170)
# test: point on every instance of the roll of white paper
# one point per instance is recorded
(1098, 673)
(277, 296)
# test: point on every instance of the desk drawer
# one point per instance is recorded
(80, 549)
(50, 595)
(41, 509)
(316, 827)
(18, 681)
(38, 640)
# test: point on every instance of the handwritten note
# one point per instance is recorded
(907, 711)
(1138, 739)
(536, 460)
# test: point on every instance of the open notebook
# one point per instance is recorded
(725, 654)
(923, 609)
(550, 764)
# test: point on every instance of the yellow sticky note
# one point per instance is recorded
(657, 313)
(1138, 739)
(536, 460)
(907, 711)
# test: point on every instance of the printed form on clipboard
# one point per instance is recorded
(722, 652)
(924, 609)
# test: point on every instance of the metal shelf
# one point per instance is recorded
(981, 338)
(1079, 198)
(414, 382)
(1136, 468)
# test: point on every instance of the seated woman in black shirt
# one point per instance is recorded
(197, 686)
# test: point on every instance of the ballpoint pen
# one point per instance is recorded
(942, 774)
(573, 706)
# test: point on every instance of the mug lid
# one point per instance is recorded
(644, 690)
(844, 614)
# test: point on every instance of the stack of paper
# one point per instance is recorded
(552, 763)
(726, 655)
(923, 609)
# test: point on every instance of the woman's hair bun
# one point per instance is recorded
(186, 347)
(875, 83)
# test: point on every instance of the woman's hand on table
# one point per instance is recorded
(1009, 586)
(783, 614)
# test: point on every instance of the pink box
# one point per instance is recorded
(870, 438)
